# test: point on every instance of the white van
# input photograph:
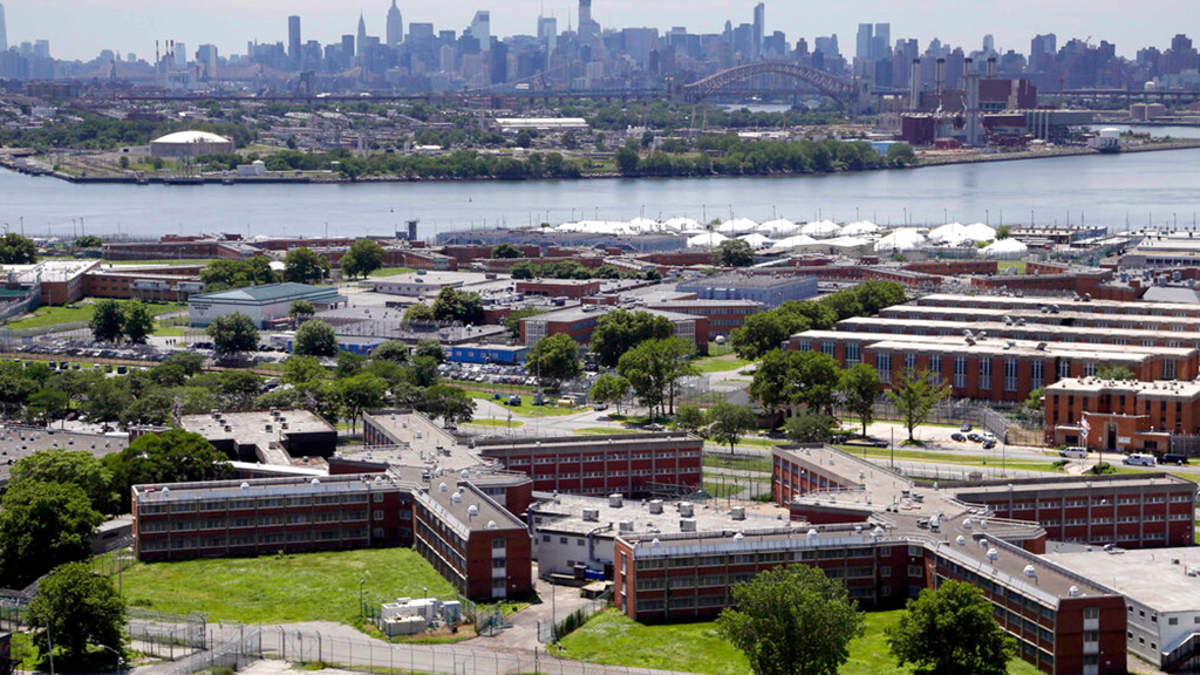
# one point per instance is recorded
(1074, 452)
(1140, 460)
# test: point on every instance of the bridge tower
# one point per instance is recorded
(864, 89)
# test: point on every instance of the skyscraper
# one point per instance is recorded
(3, 32)
(547, 32)
(362, 34)
(865, 37)
(481, 29)
(294, 41)
(881, 45)
(395, 26)
(587, 27)
(756, 40)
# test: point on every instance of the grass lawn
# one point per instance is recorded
(606, 431)
(720, 364)
(391, 271)
(946, 458)
(54, 316)
(504, 424)
(747, 464)
(615, 639)
(271, 589)
(526, 408)
(1005, 265)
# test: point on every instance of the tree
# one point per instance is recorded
(348, 365)
(1003, 232)
(764, 332)
(365, 256)
(89, 241)
(689, 418)
(733, 253)
(301, 310)
(47, 406)
(524, 138)
(359, 393)
(1034, 400)
(449, 403)
(302, 371)
(191, 362)
(75, 467)
(107, 322)
(430, 348)
(844, 304)
(873, 296)
(303, 266)
(901, 154)
(106, 400)
(859, 387)
(138, 323)
(951, 631)
(461, 306)
(17, 250)
(173, 456)
(653, 369)
(729, 422)
(315, 338)
(225, 274)
(627, 160)
(75, 608)
(43, 525)
(233, 334)
(394, 351)
(915, 394)
(619, 331)
(419, 314)
(796, 378)
(1115, 371)
(555, 357)
(792, 621)
(507, 250)
(809, 428)
(771, 385)
(609, 388)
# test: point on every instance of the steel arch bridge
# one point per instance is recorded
(853, 95)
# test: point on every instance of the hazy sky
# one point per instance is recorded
(81, 28)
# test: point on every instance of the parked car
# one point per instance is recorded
(1137, 459)
(1177, 460)
(514, 400)
(975, 438)
(600, 406)
(957, 437)
(1074, 452)
(989, 444)
(965, 428)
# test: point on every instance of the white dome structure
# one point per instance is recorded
(1005, 249)
(683, 225)
(190, 144)
(821, 229)
(644, 225)
(860, 228)
(780, 227)
(707, 240)
(798, 240)
(950, 232)
(738, 226)
(757, 240)
(900, 240)
(980, 232)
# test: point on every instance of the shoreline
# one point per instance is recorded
(6, 162)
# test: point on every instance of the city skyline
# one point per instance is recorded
(134, 26)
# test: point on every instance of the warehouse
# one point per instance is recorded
(190, 144)
(264, 305)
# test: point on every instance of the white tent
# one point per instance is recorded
(644, 225)
(860, 228)
(1005, 249)
(738, 226)
(900, 240)
(798, 240)
(780, 227)
(821, 229)
(706, 240)
(683, 225)
(756, 240)
(980, 232)
(948, 232)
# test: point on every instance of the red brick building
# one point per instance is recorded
(1120, 416)
(560, 288)
(724, 316)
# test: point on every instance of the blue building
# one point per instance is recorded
(769, 291)
(480, 353)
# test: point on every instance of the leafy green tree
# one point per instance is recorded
(47, 406)
(819, 316)
(43, 525)
(507, 250)
(461, 306)
(809, 428)
(524, 138)
(1003, 232)
(364, 257)
(191, 362)
(301, 310)
(689, 418)
(951, 631)
(76, 467)
(422, 372)
(107, 322)
(859, 387)
(627, 161)
(653, 369)
(173, 456)
(233, 334)
(419, 314)
(138, 323)
(915, 394)
(394, 351)
(152, 408)
(792, 621)
(619, 331)
(1034, 400)
(513, 321)
(733, 253)
(222, 275)
(302, 371)
(609, 388)
(844, 304)
(729, 422)
(17, 250)
(303, 266)
(107, 399)
(765, 332)
(75, 608)
(901, 154)
(89, 241)
(876, 295)
(238, 388)
(348, 365)
(1115, 371)
(772, 383)
(315, 338)
(449, 403)
(430, 348)
(360, 393)
(554, 358)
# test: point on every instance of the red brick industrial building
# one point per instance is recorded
(1120, 416)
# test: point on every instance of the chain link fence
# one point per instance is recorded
(548, 631)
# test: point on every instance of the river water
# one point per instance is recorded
(1156, 187)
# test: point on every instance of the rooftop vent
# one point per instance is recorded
(656, 506)
(1031, 571)
(615, 501)
(812, 534)
(456, 497)
(491, 525)
(993, 554)
(960, 540)
(1073, 592)
(472, 511)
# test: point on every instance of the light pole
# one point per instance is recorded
(361, 608)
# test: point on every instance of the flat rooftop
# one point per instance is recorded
(1035, 316)
(1160, 578)
(565, 513)
(1067, 304)
(585, 443)
(990, 345)
(434, 279)
(998, 328)
(1184, 391)
(414, 441)
(740, 281)
(1096, 484)
(17, 443)
(596, 311)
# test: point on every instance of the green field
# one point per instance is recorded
(946, 458)
(612, 638)
(1005, 265)
(54, 316)
(747, 464)
(526, 408)
(720, 364)
(281, 589)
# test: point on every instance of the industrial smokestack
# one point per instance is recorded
(974, 121)
(991, 67)
(939, 79)
(914, 86)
